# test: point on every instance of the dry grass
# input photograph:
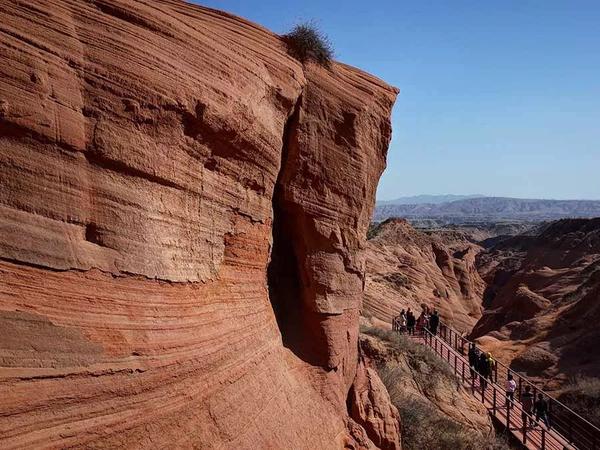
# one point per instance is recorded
(424, 426)
(583, 397)
(428, 369)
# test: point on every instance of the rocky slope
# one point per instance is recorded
(183, 212)
(407, 268)
(543, 300)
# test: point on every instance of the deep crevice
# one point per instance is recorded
(282, 273)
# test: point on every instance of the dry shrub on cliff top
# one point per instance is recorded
(307, 43)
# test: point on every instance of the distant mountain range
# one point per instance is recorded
(432, 199)
(486, 209)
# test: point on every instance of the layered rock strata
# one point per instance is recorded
(183, 208)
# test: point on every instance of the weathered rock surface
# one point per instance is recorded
(408, 268)
(371, 407)
(152, 155)
(542, 303)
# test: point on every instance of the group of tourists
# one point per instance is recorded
(482, 364)
(405, 322)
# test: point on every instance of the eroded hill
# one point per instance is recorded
(407, 268)
(542, 303)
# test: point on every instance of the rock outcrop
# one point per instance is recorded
(541, 303)
(408, 268)
(183, 212)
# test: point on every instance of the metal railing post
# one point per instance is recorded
(494, 402)
(543, 439)
(507, 417)
(463, 371)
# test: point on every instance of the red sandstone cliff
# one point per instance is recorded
(183, 208)
(407, 268)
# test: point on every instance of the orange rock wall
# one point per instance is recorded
(145, 150)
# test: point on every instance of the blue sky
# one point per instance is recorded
(497, 97)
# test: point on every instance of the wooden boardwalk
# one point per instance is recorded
(536, 437)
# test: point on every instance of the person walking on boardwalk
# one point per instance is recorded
(434, 322)
(541, 410)
(423, 320)
(403, 321)
(527, 401)
(410, 322)
(473, 359)
(511, 387)
(426, 317)
(491, 365)
(483, 367)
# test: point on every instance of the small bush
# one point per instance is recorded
(397, 279)
(374, 230)
(307, 43)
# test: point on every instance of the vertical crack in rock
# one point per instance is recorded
(283, 274)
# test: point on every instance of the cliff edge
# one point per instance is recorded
(183, 211)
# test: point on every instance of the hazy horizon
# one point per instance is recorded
(501, 98)
(482, 196)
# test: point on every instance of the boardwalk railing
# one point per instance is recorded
(514, 418)
(575, 429)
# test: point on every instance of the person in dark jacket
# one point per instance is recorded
(527, 401)
(410, 322)
(473, 359)
(541, 410)
(434, 322)
(483, 367)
